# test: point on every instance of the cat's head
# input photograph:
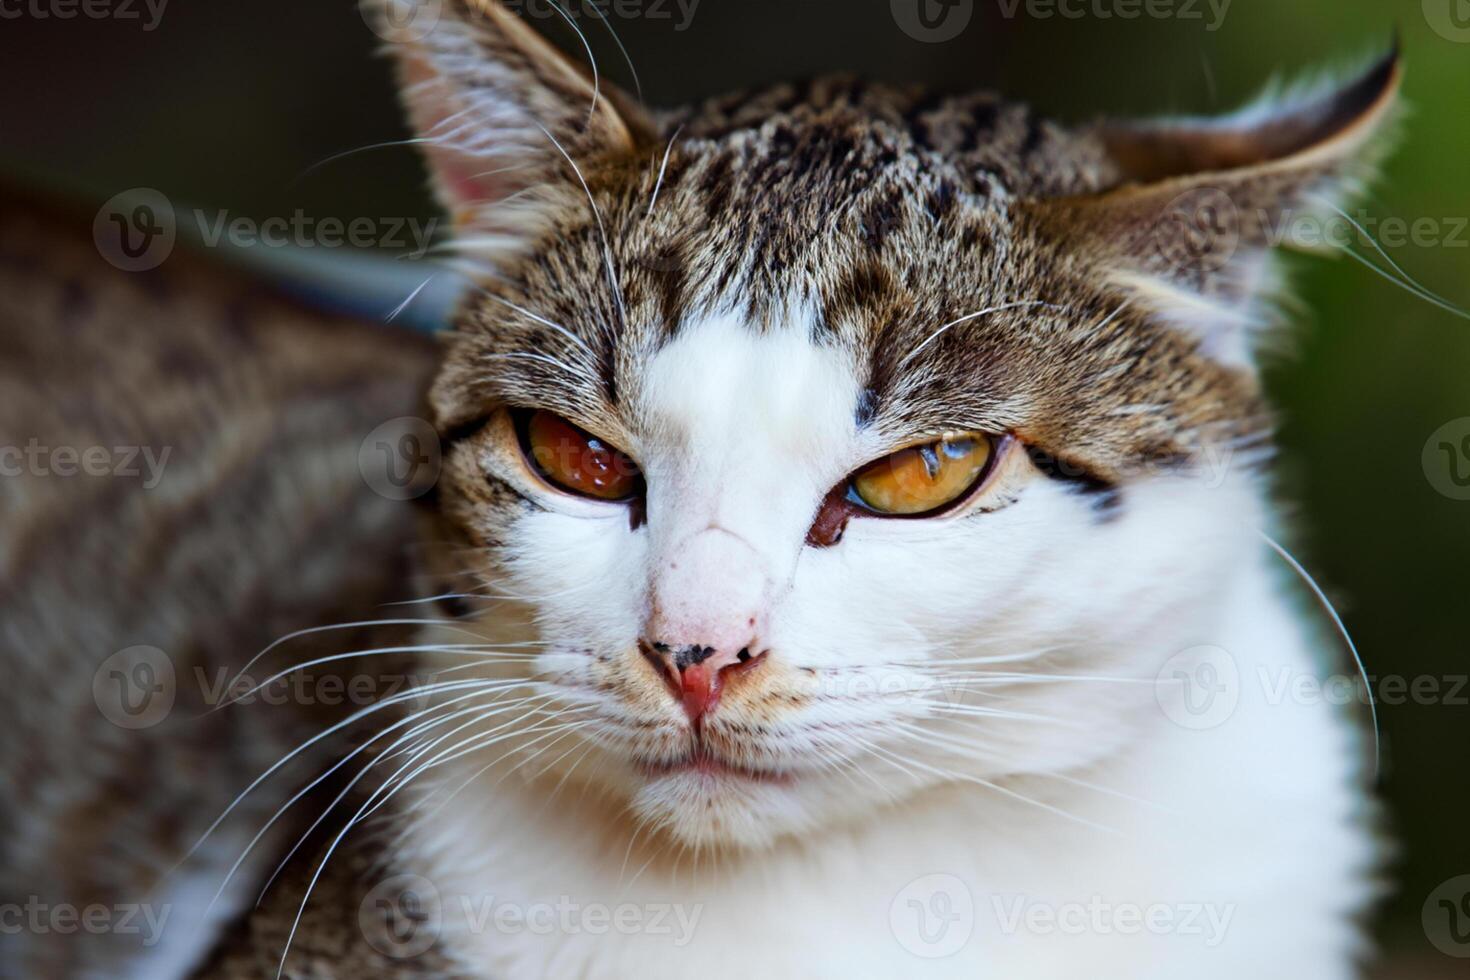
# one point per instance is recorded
(835, 442)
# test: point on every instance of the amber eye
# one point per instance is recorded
(922, 479)
(577, 461)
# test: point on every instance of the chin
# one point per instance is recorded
(711, 808)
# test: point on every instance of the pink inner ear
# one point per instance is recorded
(463, 179)
(463, 185)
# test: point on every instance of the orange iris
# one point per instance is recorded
(923, 478)
(578, 461)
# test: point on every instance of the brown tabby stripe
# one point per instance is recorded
(261, 525)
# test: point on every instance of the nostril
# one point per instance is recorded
(656, 655)
(744, 661)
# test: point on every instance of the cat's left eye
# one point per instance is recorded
(922, 479)
(575, 460)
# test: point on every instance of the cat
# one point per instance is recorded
(864, 494)
(179, 487)
(849, 548)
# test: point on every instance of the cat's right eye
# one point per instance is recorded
(576, 461)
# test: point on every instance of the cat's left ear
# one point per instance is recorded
(502, 116)
(1200, 202)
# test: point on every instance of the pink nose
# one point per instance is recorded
(697, 674)
(706, 616)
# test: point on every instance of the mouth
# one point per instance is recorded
(702, 763)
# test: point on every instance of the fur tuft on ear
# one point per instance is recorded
(1201, 201)
(503, 116)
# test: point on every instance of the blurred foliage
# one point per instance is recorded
(225, 105)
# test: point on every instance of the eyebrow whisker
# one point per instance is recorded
(971, 316)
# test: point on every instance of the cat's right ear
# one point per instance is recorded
(502, 116)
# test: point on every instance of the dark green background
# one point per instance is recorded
(225, 103)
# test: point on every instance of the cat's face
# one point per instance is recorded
(833, 444)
